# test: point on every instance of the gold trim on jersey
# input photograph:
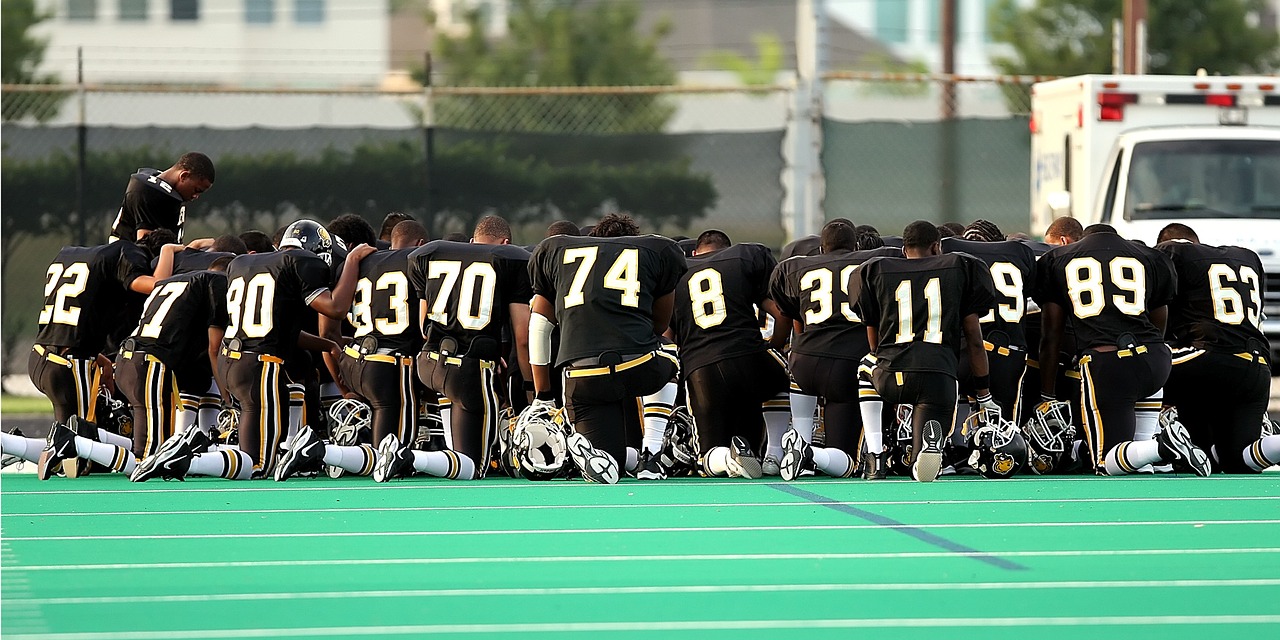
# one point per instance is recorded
(51, 356)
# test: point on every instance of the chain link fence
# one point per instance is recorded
(681, 159)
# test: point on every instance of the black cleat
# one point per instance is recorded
(743, 462)
(929, 461)
(305, 454)
(1176, 448)
(875, 466)
(650, 466)
(596, 466)
(797, 456)
(9, 460)
(171, 461)
(60, 450)
(394, 461)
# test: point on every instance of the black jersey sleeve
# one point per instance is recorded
(780, 292)
(672, 266)
(217, 291)
(1164, 279)
(979, 295)
(132, 263)
(540, 276)
(861, 292)
(313, 275)
(761, 265)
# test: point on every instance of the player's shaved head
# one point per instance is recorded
(1064, 230)
(1099, 228)
(838, 235)
(712, 240)
(409, 233)
(1177, 231)
(615, 225)
(492, 230)
(562, 228)
(920, 235)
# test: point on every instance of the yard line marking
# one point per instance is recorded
(1164, 479)
(657, 589)
(689, 505)
(931, 539)
(644, 530)
(721, 557)
(691, 625)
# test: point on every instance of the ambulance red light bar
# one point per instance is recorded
(1212, 99)
(1111, 105)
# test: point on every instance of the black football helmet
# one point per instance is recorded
(998, 449)
(309, 235)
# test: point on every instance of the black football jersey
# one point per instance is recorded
(385, 305)
(806, 246)
(192, 260)
(1218, 304)
(149, 203)
(814, 290)
(467, 288)
(715, 305)
(178, 313)
(268, 296)
(918, 307)
(1107, 286)
(603, 290)
(87, 295)
(1012, 265)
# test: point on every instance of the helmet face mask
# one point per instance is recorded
(348, 418)
(999, 450)
(311, 236)
(1048, 433)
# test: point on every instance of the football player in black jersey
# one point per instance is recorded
(1012, 267)
(85, 295)
(157, 199)
(828, 344)
(267, 295)
(470, 293)
(916, 311)
(1116, 293)
(377, 365)
(611, 295)
(729, 370)
(1220, 381)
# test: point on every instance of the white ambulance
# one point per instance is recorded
(1140, 152)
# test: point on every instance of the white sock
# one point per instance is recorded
(444, 464)
(777, 419)
(228, 462)
(716, 462)
(803, 408)
(356, 459)
(657, 414)
(207, 415)
(188, 412)
(26, 448)
(297, 400)
(446, 422)
(872, 423)
(114, 438)
(117, 458)
(1129, 457)
(1263, 453)
(832, 462)
(1147, 416)
(633, 459)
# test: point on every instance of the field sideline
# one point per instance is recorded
(99, 558)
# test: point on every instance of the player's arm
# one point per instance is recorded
(216, 335)
(164, 269)
(661, 314)
(1160, 317)
(337, 303)
(781, 324)
(331, 330)
(108, 372)
(1051, 327)
(873, 337)
(978, 365)
(520, 315)
(202, 244)
(541, 320)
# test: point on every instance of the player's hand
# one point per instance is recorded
(360, 252)
(987, 405)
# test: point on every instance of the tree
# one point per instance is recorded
(20, 57)
(754, 73)
(1071, 37)
(570, 43)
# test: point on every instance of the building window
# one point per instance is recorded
(133, 10)
(82, 10)
(308, 11)
(259, 11)
(184, 10)
(891, 20)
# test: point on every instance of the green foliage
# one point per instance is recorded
(21, 56)
(1071, 37)
(754, 73)
(557, 44)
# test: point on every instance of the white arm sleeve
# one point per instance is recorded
(539, 339)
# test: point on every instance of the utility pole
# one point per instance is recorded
(948, 194)
(1135, 50)
(802, 178)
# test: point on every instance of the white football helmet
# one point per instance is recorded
(347, 418)
(540, 442)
